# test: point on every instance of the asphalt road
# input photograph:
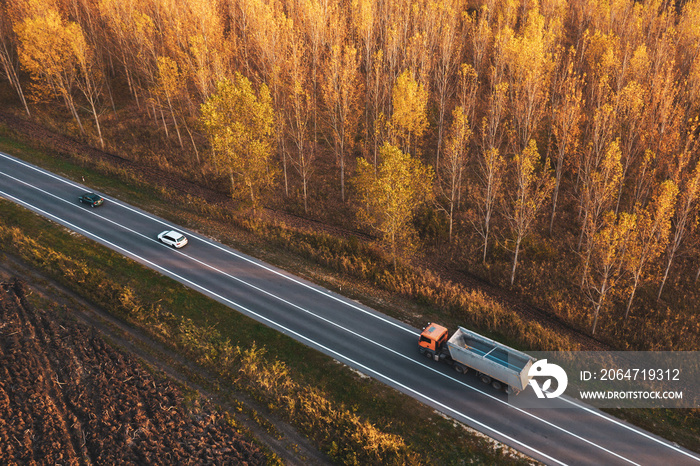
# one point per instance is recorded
(377, 345)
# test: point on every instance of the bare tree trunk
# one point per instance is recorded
(675, 244)
(68, 99)
(342, 177)
(177, 128)
(598, 305)
(515, 260)
(284, 167)
(11, 73)
(252, 198)
(194, 146)
(306, 205)
(555, 196)
(233, 182)
(486, 236)
(629, 303)
(595, 316)
(165, 125)
(97, 123)
(452, 209)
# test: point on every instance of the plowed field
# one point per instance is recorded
(68, 397)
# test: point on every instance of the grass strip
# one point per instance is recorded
(352, 419)
(407, 294)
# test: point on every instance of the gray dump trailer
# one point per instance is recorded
(494, 363)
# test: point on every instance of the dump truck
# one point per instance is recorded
(494, 363)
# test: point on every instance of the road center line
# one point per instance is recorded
(357, 335)
(217, 246)
(327, 294)
(273, 323)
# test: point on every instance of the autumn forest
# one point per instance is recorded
(549, 147)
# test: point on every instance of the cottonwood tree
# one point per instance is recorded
(602, 66)
(689, 63)
(632, 114)
(600, 185)
(532, 183)
(57, 55)
(489, 168)
(630, 107)
(144, 33)
(8, 56)
(314, 18)
(120, 19)
(430, 26)
(90, 80)
(240, 127)
(46, 52)
(682, 219)
(205, 48)
(264, 31)
(662, 130)
(168, 89)
(390, 195)
(651, 235)
(454, 162)
(270, 34)
(409, 119)
(480, 37)
(608, 252)
(490, 165)
(363, 23)
(86, 13)
(528, 64)
(300, 113)
(378, 96)
(689, 34)
(448, 55)
(341, 90)
(566, 117)
(467, 90)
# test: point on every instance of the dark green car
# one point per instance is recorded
(92, 199)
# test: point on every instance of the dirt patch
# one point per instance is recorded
(66, 396)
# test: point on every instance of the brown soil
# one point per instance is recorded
(66, 396)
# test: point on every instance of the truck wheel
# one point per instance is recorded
(485, 378)
(510, 390)
(496, 384)
(429, 354)
(460, 368)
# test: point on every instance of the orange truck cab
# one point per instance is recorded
(432, 339)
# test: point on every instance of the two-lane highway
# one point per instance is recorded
(358, 336)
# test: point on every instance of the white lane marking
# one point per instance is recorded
(316, 316)
(207, 241)
(631, 428)
(274, 324)
(221, 248)
(357, 335)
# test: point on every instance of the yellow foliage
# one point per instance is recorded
(46, 52)
(409, 118)
(390, 195)
(240, 128)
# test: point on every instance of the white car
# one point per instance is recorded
(173, 238)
